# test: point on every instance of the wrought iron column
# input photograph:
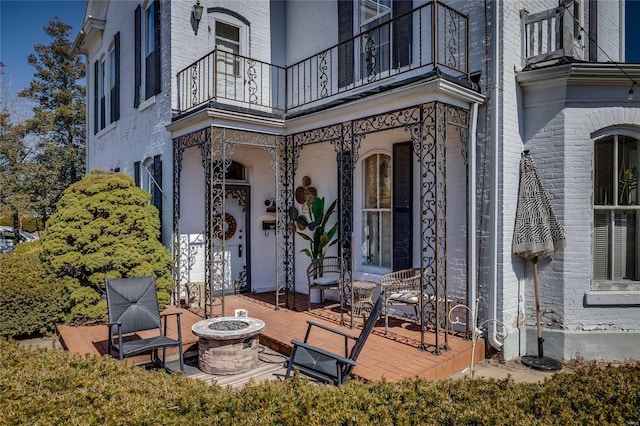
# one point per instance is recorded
(178, 153)
(215, 268)
(424, 141)
(289, 155)
(180, 245)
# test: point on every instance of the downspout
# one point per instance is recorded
(472, 239)
(495, 124)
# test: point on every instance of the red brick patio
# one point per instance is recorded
(392, 357)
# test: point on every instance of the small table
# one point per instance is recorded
(362, 296)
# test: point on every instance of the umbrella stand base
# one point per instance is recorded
(545, 364)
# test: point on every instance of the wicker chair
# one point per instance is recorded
(402, 288)
(325, 274)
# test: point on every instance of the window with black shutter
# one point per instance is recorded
(152, 49)
(96, 114)
(114, 79)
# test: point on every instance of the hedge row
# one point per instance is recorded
(31, 301)
(48, 387)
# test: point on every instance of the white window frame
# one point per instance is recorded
(227, 19)
(238, 43)
(611, 210)
(362, 210)
(362, 25)
(148, 44)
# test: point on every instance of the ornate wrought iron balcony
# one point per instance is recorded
(432, 36)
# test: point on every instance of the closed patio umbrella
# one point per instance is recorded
(537, 234)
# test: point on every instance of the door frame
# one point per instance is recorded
(242, 193)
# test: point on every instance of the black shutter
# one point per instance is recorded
(137, 47)
(593, 31)
(157, 191)
(115, 89)
(103, 98)
(156, 48)
(136, 173)
(345, 37)
(402, 31)
(96, 111)
(402, 202)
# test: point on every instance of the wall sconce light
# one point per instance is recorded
(269, 218)
(196, 11)
(630, 95)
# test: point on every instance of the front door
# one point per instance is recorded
(236, 240)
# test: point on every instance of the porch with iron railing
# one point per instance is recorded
(407, 47)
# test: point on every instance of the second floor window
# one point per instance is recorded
(152, 52)
(114, 80)
(376, 44)
(106, 87)
(147, 52)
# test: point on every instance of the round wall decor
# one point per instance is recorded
(229, 226)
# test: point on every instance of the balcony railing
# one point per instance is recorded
(239, 80)
(547, 36)
(428, 37)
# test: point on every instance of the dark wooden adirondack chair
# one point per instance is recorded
(132, 304)
(326, 366)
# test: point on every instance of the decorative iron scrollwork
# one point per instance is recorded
(322, 74)
(252, 76)
(370, 50)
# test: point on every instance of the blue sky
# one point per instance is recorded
(22, 25)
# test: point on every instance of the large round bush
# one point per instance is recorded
(104, 224)
(32, 302)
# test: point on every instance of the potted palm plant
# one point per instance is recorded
(320, 239)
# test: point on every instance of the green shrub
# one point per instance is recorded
(50, 387)
(104, 225)
(31, 301)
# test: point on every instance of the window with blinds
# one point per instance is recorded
(615, 236)
(376, 214)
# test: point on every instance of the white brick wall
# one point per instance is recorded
(558, 135)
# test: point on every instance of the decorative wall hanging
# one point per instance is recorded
(229, 226)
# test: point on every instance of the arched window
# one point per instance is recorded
(616, 217)
(377, 250)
